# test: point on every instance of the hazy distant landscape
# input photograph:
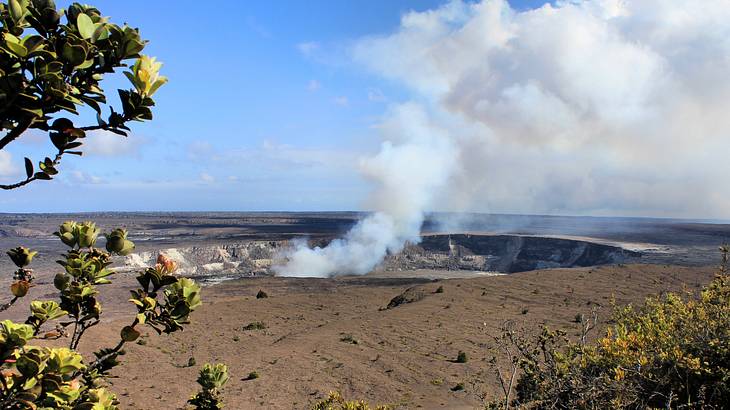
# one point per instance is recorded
(646, 240)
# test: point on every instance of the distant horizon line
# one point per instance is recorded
(497, 214)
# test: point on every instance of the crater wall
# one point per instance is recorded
(504, 253)
(493, 253)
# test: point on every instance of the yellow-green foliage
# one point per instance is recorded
(335, 401)
(34, 377)
(211, 379)
(672, 352)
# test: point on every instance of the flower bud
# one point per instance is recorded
(86, 234)
(129, 334)
(61, 281)
(167, 264)
(115, 241)
(21, 256)
(127, 248)
(66, 233)
(20, 288)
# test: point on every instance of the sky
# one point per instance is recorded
(277, 106)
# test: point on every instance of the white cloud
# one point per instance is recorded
(596, 106)
(313, 85)
(7, 168)
(107, 144)
(206, 178)
(308, 48)
(200, 150)
(274, 160)
(258, 28)
(342, 101)
(376, 95)
(80, 177)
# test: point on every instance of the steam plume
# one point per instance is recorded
(601, 107)
(413, 163)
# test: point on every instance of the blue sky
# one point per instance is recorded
(586, 107)
(260, 94)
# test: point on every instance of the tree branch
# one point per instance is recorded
(18, 184)
(56, 161)
(15, 132)
(6, 306)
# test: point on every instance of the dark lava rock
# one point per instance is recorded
(410, 295)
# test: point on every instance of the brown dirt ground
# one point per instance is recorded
(403, 356)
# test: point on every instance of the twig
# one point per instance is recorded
(6, 306)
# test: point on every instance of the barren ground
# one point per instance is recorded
(402, 356)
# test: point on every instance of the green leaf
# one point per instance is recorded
(132, 48)
(86, 64)
(129, 334)
(159, 83)
(33, 42)
(16, 48)
(27, 366)
(85, 26)
(28, 167)
(91, 103)
(37, 112)
(45, 54)
(73, 54)
(16, 10)
(101, 33)
(59, 140)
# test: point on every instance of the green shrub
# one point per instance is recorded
(461, 357)
(255, 326)
(253, 375)
(335, 401)
(211, 379)
(348, 338)
(59, 377)
(672, 352)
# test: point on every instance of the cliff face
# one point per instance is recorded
(495, 253)
(231, 260)
(504, 253)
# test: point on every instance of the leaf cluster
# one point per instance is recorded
(53, 62)
(335, 401)
(34, 377)
(211, 379)
(180, 297)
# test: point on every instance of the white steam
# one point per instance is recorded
(615, 107)
(414, 162)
